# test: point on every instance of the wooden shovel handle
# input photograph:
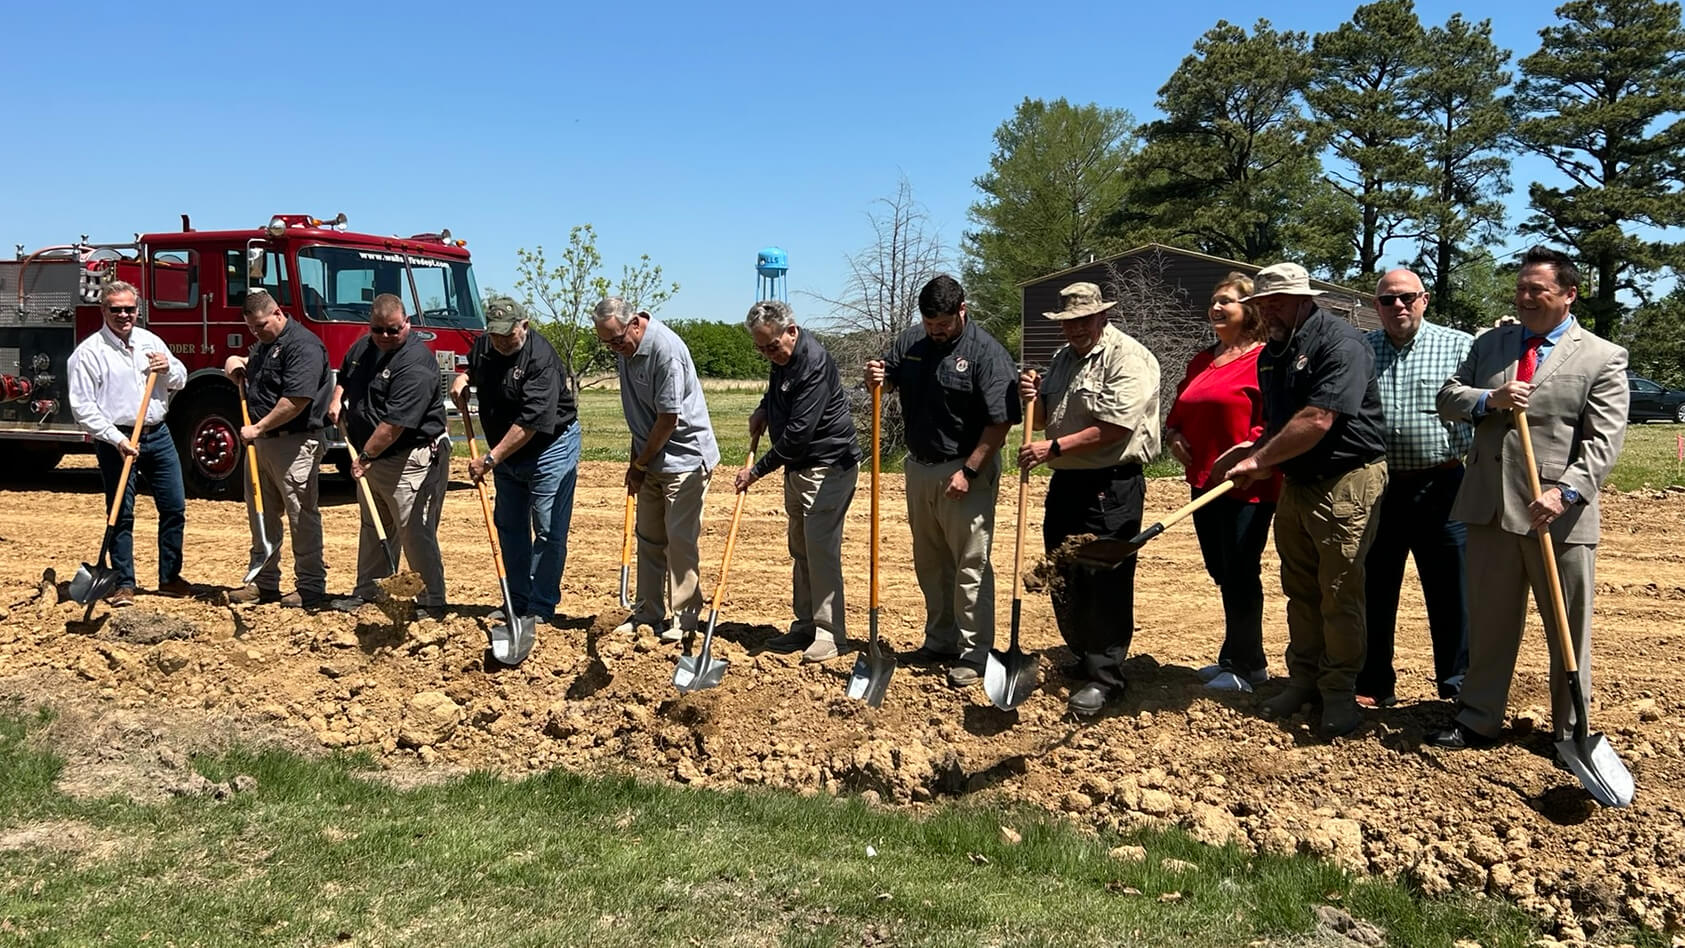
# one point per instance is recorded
(1187, 510)
(485, 499)
(1559, 609)
(134, 442)
(626, 535)
(877, 448)
(363, 489)
(251, 454)
(731, 535)
(1023, 498)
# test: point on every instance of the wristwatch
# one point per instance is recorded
(970, 472)
(640, 468)
(364, 459)
(1054, 450)
(1569, 494)
(491, 460)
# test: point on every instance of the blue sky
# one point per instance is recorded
(693, 133)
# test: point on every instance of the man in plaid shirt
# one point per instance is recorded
(1413, 357)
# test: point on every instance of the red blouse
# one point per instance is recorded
(1216, 408)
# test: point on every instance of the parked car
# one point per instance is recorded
(1654, 402)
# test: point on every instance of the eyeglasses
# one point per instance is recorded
(386, 330)
(615, 342)
(1408, 299)
(122, 310)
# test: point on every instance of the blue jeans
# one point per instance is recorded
(534, 508)
(1416, 521)
(159, 468)
(1232, 534)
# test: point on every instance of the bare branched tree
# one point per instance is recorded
(1156, 311)
(880, 297)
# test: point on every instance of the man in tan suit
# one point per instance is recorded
(1573, 387)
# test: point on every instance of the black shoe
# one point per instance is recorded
(1288, 703)
(789, 642)
(1460, 737)
(1074, 671)
(923, 657)
(1092, 698)
(1340, 715)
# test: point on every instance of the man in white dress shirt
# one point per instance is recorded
(108, 372)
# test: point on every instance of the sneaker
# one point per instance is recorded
(121, 597)
(965, 674)
(926, 657)
(1256, 676)
(178, 588)
(823, 650)
(1092, 698)
(249, 593)
(630, 626)
(434, 613)
(790, 642)
(349, 603)
(676, 633)
(1229, 681)
(1209, 672)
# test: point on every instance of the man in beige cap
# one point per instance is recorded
(1325, 430)
(1099, 404)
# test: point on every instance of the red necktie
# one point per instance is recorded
(1529, 359)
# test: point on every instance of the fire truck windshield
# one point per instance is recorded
(339, 284)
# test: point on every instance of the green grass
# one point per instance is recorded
(1649, 458)
(317, 854)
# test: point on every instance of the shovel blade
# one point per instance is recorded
(81, 583)
(699, 671)
(100, 581)
(1110, 553)
(512, 643)
(625, 587)
(1009, 677)
(870, 678)
(259, 561)
(1598, 768)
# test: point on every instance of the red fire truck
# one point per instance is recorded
(192, 285)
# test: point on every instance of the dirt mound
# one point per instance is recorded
(423, 697)
(145, 626)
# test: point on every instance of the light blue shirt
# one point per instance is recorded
(660, 379)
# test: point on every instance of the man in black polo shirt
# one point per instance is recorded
(389, 390)
(813, 440)
(532, 435)
(1325, 430)
(958, 399)
(288, 387)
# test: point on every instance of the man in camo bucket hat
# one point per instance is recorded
(531, 427)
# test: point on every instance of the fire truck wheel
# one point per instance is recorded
(208, 440)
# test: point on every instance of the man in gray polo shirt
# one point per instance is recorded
(673, 454)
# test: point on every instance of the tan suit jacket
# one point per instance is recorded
(1577, 414)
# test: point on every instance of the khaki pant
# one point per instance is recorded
(288, 466)
(1509, 563)
(951, 555)
(1322, 534)
(816, 501)
(669, 527)
(409, 493)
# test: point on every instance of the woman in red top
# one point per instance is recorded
(1218, 405)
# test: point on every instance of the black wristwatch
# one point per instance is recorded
(1054, 450)
(970, 472)
(364, 459)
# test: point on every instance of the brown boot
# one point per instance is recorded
(249, 593)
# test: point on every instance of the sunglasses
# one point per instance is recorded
(1408, 299)
(386, 331)
(122, 310)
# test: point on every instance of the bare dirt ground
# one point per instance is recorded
(137, 692)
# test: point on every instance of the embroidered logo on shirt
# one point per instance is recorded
(785, 386)
(519, 374)
(960, 365)
(1300, 365)
(385, 373)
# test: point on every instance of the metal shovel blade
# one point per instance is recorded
(512, 643)
(1009, 677)
(702, 670)
(258, 562)
(1599, 769)
(625, 587)
(872, 671)
(81, 583)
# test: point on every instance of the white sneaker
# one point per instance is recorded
(675, 633)
(1229, 681)
(1209, 672)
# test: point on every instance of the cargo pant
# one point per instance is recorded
(816, 501)
(409, 494)
(669, 528)
(1323, 530)
(951, 556)
(288, 468)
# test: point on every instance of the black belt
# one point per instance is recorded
(1427, 471)
(144, 431)
(935, 461)
(1115, 472)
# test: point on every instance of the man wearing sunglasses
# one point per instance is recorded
(673, 455)
(108, 373)
(1413, 357)
(389, 391)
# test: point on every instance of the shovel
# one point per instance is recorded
(93, 583)
(1010, 676)
(626, 556)
(702, 670)
(1588, 755)
(1111, 552)
(510, 644)
(366, 495)
(270, 547)
(872, 670)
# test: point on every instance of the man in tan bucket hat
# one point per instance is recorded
(1099, 404)
(1325, 430)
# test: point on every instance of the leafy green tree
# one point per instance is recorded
(562, 296)
(1056, 175)
(720, 350)
(1233, 164)
(1654, 336)
(1359, 93)
(1602, 100)
(1484, 289)
(1465, 141)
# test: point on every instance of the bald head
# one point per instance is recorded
(1400, 301)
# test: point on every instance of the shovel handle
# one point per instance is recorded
(1023, 499)
(1187, 510)
(731, 535)
(251, 455)
(626, 534)
(363, 489)
(877, 467)
(485, 499)
(134, 442)
(1559, 609)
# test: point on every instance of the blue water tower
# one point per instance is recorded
(771, 264)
